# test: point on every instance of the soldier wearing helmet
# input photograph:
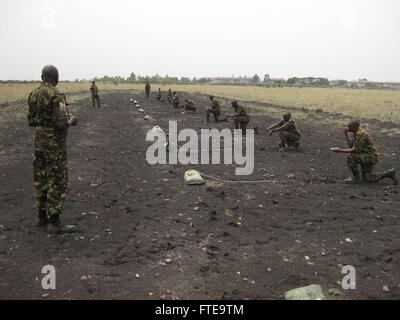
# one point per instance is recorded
(49, 116)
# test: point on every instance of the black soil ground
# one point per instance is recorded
(144, 234)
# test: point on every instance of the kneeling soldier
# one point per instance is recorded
(364, 153)
(288, 132)
(242, 119)
(175, 100)
(189, 105)
(215, 109)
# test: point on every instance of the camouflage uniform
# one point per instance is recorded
(159, 97)
(241, 118)
(214, 109)
(47, 106)
(365, 154)
(147, 89)
(169, 96)
(175, 101)
(190, 105)
(289, 133)
(95, 95)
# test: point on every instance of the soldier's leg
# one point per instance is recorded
(57, 181)
(236, 123)
(282, 142)
(243, 126)
(98, 101)
(93, 101)
(367, 169)
(353, 159)
(40, 180)
(208, 115)
(217, 119)
(291, 138)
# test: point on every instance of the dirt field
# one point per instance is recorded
(144, 234)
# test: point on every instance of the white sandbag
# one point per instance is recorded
(193, 177)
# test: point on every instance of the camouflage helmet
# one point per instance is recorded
(50, 74)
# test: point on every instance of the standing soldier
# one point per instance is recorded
(147, 89)
(242, 119)
(95, 94)
(49, 115)
(169, 96)
(215, 109)
(364, 153)
(288, 132)
(189, 105)
(175, 100)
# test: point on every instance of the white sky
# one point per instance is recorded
(337, 39)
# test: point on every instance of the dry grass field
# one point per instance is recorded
(361, 103)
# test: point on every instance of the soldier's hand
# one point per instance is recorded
(336, 149)
(73, 121)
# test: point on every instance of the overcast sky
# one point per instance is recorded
(340, 39)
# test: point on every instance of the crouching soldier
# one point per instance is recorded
(288, 132)
(159, 96)
(189, 105)
(215, 109)
(241, 117)
(362, 151)
(169, 97)
(175, 100)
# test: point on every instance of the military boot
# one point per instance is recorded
(355, 179)
(391, 174)
(56, 227)
(42, 219)
(296, 146)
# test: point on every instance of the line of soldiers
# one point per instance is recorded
(49, 115)
(361, 151)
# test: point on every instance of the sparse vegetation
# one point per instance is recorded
(379, 104)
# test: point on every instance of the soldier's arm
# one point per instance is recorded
(274, 126)
(31, 112)
(337, 149)
(346, 136)
(61, 117)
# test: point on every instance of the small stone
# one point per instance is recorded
(151, 294)
(334, 292)
(84, 278)
(348, 240)
(312, 292)
(168, 291)
(45, 295)
(385, 288)
(307, 258)
(228, 212)
(269, 269)
(137, 275)
(168, 261)
(196, 208)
